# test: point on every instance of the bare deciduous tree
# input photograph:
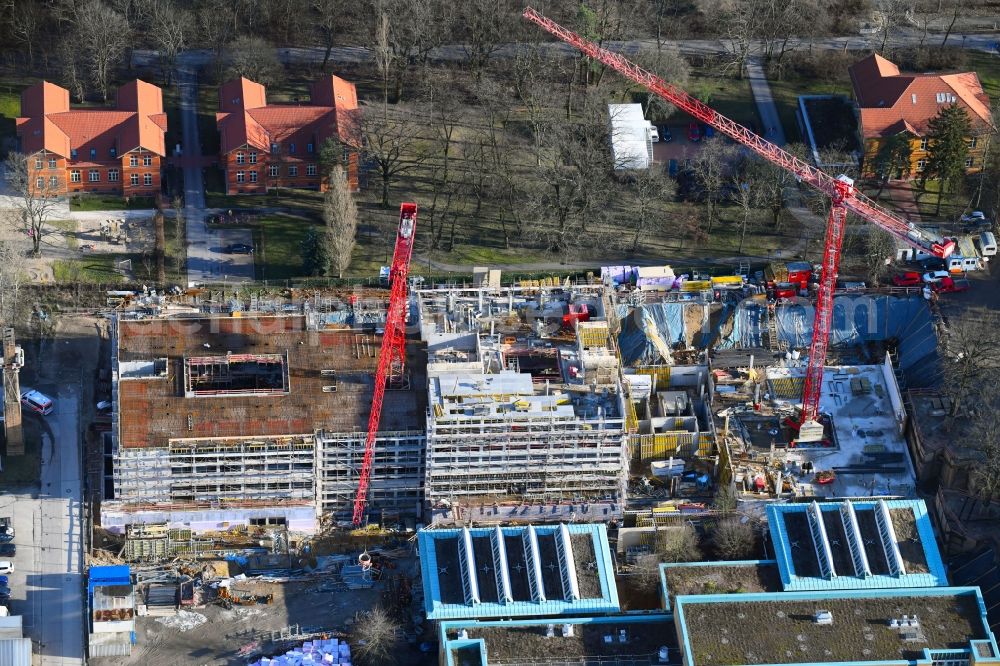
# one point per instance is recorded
(102, 38)
(393, 144)
(341, 217)
(328, 24)
(710, 166)
(171, 29)
(970, 357)
(254, 58)
(215, 20)
(376, 637)
(678, 544)
(880, 250)
(35, 198)
(733, 540)
(648, 188)
(12, 276)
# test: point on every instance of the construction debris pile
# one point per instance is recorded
(330, 651)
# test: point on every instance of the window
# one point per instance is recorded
(945, 98)
(253, 158)
(973, 142)
(241, 176)
(291, 148)
(113, 175)
(38, 162)
(309, 147)
(310, 169)
(253, 176)
(94, 176)
(293, 171)
(147, 160)
(968, 162)
(74, 176)
(272, 171)
(40, 183)
(113, 151)
(93, 153)
(133, 179)
(53, 181)
(923, 144)
(147, 179)
(921, 164)
(240, 157)
(73, 153)
(274, 149)
(133, 161)
(52, 163)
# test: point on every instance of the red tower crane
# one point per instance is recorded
(840, 189)
(392, 355)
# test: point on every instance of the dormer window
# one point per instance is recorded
(291, 148)
(309, 147)
(72, 154)
(945, 98)
(93, 153)
(274, 149)
(113, 151)
(913, 98)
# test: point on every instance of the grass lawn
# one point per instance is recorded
(110, 202)
(68, 231)
(23, 470)
(278, 239)
(952, 205)
(10, 108)
(95, 269)
(208, 132)
(729, 96)
(987, 65)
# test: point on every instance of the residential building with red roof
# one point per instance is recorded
(102, 150)
(892, 103)
(264, 146)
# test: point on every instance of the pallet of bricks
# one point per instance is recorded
(327, 651)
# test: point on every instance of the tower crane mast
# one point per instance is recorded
(844, 197)
(392, 355)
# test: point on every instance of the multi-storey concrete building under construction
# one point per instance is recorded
(525, 415)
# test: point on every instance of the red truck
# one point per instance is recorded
(950, 285)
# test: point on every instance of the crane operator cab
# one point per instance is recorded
(406, 226)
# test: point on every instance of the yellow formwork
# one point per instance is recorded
(593, 336)
(786, 387)
(659, 373)
(631, 420)
(647, 448)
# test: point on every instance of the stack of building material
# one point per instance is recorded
(161, 600)
(317, 652)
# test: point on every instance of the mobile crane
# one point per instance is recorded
(392, 355)
(840, 189)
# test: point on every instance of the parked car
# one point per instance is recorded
(37, 402)
(240, 248)
(7, 550)
(654, 134)
(6, 567)
(908, 279)
(665, 135)
(935, 276)
(6, 537)
(694, 132)
(950, 285)
(933, 264)
(4, 592)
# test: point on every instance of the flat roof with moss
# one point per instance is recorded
(781, 628)
(688, 578)
(628, 639)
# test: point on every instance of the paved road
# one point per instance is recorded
(48, 580)
(207, 260)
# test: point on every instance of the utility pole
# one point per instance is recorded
(13, 361)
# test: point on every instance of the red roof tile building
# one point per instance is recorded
(892, 103)
(264, 146)
(111, 151)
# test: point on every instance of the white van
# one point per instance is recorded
(964, 264)
(654, 134)
(987, 244)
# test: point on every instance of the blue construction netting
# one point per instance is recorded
(861, 319)
(633, 341)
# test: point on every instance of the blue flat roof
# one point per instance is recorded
(908, 560)
(525, 571)
(102, 576)
(779, 628)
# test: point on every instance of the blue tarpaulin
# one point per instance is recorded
(860, 319)
(634, 342)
